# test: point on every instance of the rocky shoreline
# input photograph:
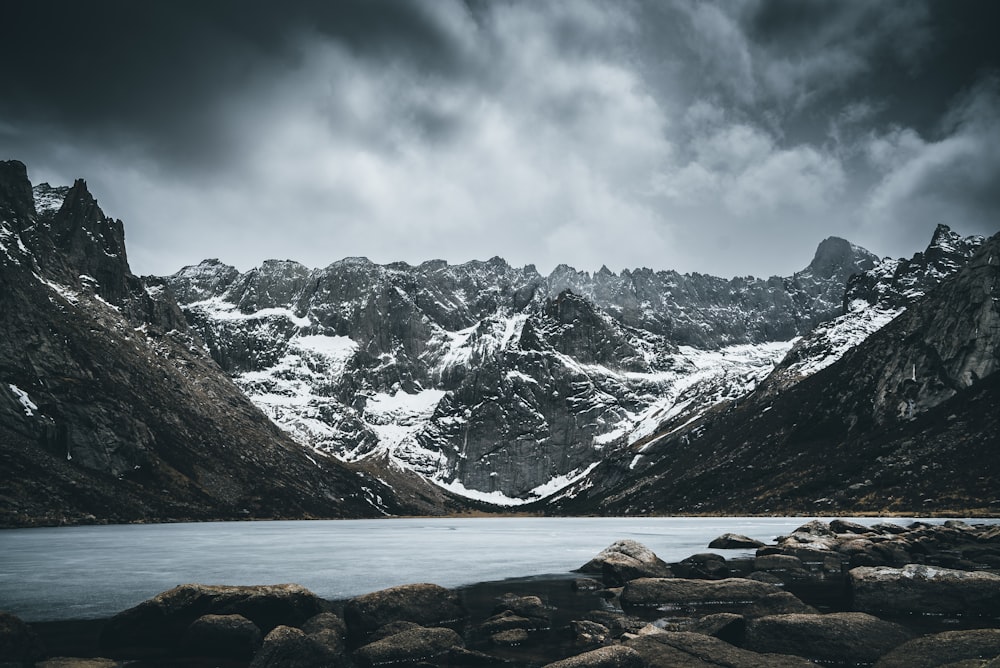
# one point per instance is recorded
(832, 594)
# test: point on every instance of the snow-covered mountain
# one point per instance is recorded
(127, 398)
(905, 419)
(112, 410)
(872, 299)
(496, 382)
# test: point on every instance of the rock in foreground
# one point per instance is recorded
(918, 588)
(162, 620)
(425, 604)
(854, 637)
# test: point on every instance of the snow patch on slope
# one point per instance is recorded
(713, 376)
(26, 403)
(219, 309)
(544, 491)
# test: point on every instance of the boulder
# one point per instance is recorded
(467, 658)
(586, 631)
(412, 645)
(680, 591)
(694, 650)
(918, 588)
(778, 562)
(734, 541)
(507, 620)
(844, 526)
(424, 604)
(704, 566)
(391, 629)
(328, 630)
(617, 622)
(943, 648)
(509, 638)
(225, 636)
(459, 656)
(325, 621)
(162, 620)
(18, 643)
(287, 647)
(615, 656)
(815, 528)
(587, 584)
(525, 606)
(626, 560)
(887, 527)
(722, 625)
(778, 603)
(840, 637)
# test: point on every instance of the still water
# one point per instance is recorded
(92, 572)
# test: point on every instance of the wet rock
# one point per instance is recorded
(778, 562)
(587, 584)
(943, 648)
(695, 650)
(815, 528)
(328, 630)
(705, 566)
(459, 656)
(734, 541)
(525, 606)
(586, 631)
(723, 625)
(17, 641)
(287, 647)
(424, 604)
(227, 636)
(778, 603)
(626, 560)
(845, 526)
(617, 622)
(680, 591)
(391, 629)
(325, 621)
(888, 527)
(416, 644)
(507, 620)
(850, 637)
(162, 620)
(605, 657)
(762, 576)
(510, 638)
(919, 588)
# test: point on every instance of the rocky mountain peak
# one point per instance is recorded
(207, 279)
(839, 258)
(894, 284)
(92, 244)
(16, 200)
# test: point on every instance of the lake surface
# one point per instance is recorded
(96, 571)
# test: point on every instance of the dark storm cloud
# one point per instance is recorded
(154, 73)
(726, 137)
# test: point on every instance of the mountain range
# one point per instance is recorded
(856, 384)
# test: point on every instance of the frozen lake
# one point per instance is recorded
(91, 572)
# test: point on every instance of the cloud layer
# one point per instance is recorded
(727, 138)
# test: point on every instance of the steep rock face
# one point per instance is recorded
(898, 283)
(901, 421)
(494, 381)
(111, 409)
(871, 300)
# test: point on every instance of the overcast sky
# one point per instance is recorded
(728, 138)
